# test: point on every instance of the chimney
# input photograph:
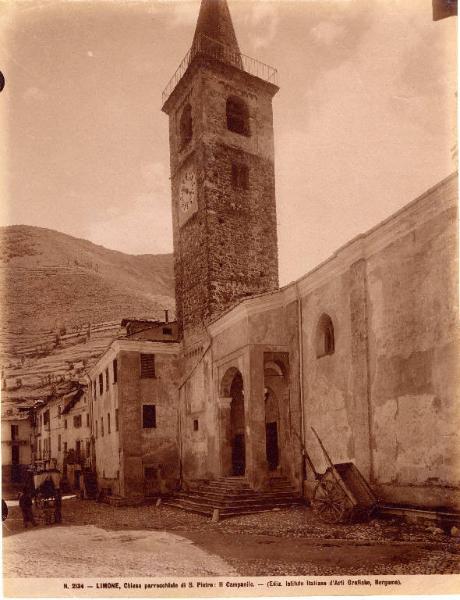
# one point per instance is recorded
(166, 315)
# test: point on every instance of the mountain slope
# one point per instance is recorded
(51, 280)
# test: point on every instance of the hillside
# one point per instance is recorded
(62, 301)
(49, 280)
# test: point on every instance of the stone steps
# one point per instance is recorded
(221, 501)
(225, 511)
(232, 496)
(236, 498)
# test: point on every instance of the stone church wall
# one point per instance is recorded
(413, 359)
(198, 428)
(386, 398)
(333, 402)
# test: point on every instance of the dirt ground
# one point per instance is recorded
(279, 542)
(72, 551)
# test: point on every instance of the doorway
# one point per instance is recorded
(271, 436)
(237, 426)
(15, 466)
(238, 455)
(271, 430)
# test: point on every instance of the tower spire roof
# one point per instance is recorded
(215, 22)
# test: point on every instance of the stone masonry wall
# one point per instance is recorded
(228, 249)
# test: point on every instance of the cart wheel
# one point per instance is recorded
(330, 502)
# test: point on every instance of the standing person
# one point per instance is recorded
(4, 510)
(25, 504)
(57, 506)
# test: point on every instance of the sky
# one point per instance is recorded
(364, 119)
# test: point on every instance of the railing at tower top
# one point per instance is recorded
(206, 46)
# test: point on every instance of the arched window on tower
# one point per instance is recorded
(186, 126)
(237, 116)
(325, 339)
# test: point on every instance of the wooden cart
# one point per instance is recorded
(341, 494)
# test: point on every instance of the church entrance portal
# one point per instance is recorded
(237, 425)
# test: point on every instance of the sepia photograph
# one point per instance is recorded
(229, 298)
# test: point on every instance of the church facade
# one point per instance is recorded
(363, 348)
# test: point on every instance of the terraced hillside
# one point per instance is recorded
(49, 280)
(62, 301)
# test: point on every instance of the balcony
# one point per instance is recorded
(206, 46)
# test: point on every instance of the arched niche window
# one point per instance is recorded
(325, 340)
(186, 126)
(237, 115)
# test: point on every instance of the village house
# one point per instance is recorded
(134, 412)
(16, 444)
(62, 432)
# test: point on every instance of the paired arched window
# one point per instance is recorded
(186, 126)
(237, 115)
(325, 339)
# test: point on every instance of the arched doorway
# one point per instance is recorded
(272, 420)
(237, 425)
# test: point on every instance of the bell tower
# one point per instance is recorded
(219, 104)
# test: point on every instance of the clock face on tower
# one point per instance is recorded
(187, 195)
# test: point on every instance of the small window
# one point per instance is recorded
(65, 447)
(65, 423)
(186, 126)
(195, 425)
(59, 442)
(150, 473)
(237, 116)
(106, 379)
(147, 366)
(149, 417)
(325, 339)
(102, 426)
(46, 417)
(115, 370)
(167, 331)
(240, 176)
(87, 419)
(101, 384)
(77, 421)
(108, 422)
(14, 432)
(116, 419)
